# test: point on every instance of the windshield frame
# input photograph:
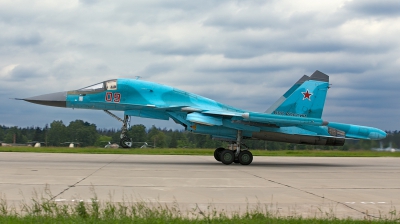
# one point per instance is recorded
(109, 85)
(98, 87)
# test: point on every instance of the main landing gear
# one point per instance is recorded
(228, 156)
(125, 141)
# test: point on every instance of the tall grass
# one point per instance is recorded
(42, 208)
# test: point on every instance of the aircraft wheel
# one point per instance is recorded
(125, 142)
(245, 157)
(227, 157)
(217, 153)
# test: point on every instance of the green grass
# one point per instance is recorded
(256, 219)
(45, 210)
(209, 152)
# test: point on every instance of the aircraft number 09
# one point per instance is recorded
(113, 97)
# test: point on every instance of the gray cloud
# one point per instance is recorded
(386, 8)
(157, 68)
(171, 48)
(30, 39)
(243, 53)
(22, 73)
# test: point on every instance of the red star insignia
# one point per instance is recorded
(307, 95)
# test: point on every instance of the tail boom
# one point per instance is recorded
(359, 132)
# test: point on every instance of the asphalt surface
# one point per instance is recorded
(286, 185)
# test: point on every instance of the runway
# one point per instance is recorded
(305, 186)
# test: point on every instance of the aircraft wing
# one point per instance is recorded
(223, 113)
(252, 119)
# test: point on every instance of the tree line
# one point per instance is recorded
(87, 134)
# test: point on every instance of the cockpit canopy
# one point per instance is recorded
(102, 86)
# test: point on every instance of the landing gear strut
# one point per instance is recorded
(125, 141)
(238, 155)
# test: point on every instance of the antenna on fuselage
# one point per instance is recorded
(138, 77)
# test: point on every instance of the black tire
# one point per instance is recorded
(227, 157)
(245, 157)
(124, 142)
(217, 153)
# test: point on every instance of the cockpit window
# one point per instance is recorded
(107, 85)
(111, 85)
(95, 87)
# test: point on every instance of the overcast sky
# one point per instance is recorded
(242, 53)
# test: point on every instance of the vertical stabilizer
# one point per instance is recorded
(274, 106)
(305, 99)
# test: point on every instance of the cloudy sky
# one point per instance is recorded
(242, 53)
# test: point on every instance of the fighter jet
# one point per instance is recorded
(293, 118)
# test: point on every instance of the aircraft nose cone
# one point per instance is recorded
(52, 99)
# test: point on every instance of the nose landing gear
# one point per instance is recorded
(125, 141)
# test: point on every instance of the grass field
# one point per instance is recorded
(45, 210)
(168, 151)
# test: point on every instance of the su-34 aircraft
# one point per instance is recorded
(293, 118)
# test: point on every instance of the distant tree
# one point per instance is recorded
(82, 132)
(2, 133)
(57, 133)
(209, 143)
(174, 141)
(38, 135)
(116, 137)
(102, 140)
(107, 132)
(183, 141)
(87, 134)
(158, 140)
(138, 133)
(156, 137)
(9, 137)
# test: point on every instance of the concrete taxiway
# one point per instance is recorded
(305, 186)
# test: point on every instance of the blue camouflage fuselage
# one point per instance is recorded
(296, 119)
